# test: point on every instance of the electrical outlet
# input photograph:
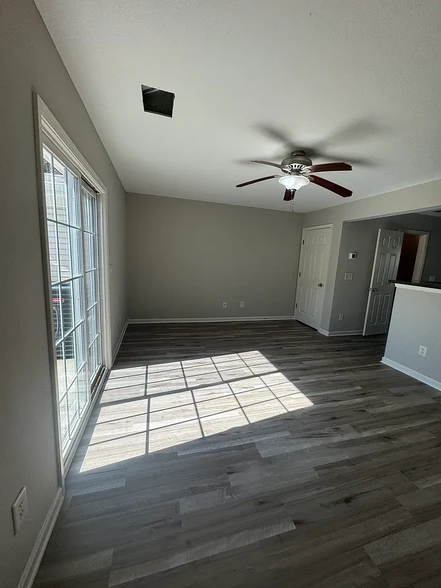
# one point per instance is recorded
(341, 317)
(349, 276)
(242, 303)
(432, 278)
(224, 304)
(20, 509)
(422, 351)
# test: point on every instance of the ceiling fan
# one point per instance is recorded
(298, 171)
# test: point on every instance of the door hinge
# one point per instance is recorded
(300, 273)
(296, 304)
(303, 242)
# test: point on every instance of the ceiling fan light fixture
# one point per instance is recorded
(293, 182)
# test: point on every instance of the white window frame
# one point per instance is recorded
(49, 131)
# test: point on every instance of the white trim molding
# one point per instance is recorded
(227, 319)
(55, 132)
(31, 569)
(328, 226)
(340, 333)
(429, 289)
(412, 373)
(48, 126)
(120, 340)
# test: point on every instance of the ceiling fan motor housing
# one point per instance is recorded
(296, 161)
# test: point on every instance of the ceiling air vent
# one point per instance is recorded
(157, 101)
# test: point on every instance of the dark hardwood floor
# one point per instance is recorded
(252, 455)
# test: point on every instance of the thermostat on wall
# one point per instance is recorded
(352, 255)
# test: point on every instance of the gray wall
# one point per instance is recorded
(416, 318)
(350, 297)
(423, 196)
(29, 61)
(184, 258)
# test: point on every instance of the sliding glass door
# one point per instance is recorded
(91, 272)
(72, 230)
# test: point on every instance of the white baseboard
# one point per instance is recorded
(227, 319)
(412, 373)
(34, 560)
(339, 333)
(121, 337)
(31, 569)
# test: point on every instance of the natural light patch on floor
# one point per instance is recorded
(159, 407)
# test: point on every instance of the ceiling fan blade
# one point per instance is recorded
(327, 167)
(340, 190)
(275, 134)
(258, 180)
(289, 195)
(266, 163)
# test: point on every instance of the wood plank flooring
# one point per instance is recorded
(252, 455)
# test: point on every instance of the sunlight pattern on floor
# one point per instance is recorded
(159, 407)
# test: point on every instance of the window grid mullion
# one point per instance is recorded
(86, 329)
(79, 331)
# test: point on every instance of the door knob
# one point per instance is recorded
(373, 289)
(320, 285)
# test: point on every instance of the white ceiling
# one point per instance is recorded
(361, 79)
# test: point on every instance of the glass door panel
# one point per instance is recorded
(71, 216)
(90, 217)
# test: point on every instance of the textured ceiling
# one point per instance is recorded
(362, 80)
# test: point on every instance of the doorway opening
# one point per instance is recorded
(413, 256)
(399, 255)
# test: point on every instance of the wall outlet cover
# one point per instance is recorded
(242, 303)
(349, 276)
(20, 509)
(341, 317)
(422, 351)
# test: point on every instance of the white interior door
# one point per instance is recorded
(381, 292)
(313, 270)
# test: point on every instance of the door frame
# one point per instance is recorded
(420, 260)
(48, 129)
(302, 243)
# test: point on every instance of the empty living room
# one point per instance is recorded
(220, 332)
